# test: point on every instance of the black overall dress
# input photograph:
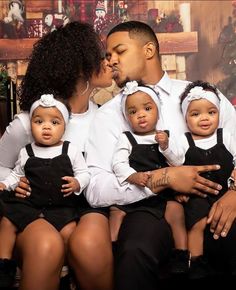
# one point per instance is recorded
(197, 208)
(46, 199)
(146, 157)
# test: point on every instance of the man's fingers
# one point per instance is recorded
(203, 188)
(24, 180)
(215, 219)
(198, 193)
(207, 186)
(211, 213)
(224, 224)
(227, 226)
(205, 168)
(220, 226)
(20, 195)
(67, 190)
(67, 194)
(20, 192)
(24, 186)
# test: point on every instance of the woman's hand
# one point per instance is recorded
(184, 179)
(23, 189)
(222, 214)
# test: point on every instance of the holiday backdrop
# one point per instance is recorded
(197, 38)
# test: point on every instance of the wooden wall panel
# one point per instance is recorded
(170, 43)
(39, 5)
(208, 18)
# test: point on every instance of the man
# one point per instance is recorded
(144, 242)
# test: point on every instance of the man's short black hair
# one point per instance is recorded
(137, 29)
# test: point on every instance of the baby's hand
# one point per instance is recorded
(2, 186)
(139, 178)
(162, 138)
(71, 185)
(182, 198)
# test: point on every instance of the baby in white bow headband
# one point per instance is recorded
(141, 107)
(204, 144)
(48, 120)
(56, 171)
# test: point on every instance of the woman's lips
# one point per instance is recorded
(115, 73)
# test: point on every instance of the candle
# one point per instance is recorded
(105, 4)
(184, 12)
(59, 6)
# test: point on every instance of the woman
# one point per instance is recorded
(69, 62)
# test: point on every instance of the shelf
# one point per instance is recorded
(178, 42)
(16, 49)
(170, 43)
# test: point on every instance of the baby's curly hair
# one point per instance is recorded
(205, 85)
(58, 60)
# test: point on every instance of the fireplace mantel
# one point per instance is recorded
(170, 43)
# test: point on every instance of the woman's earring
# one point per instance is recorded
(87, 87)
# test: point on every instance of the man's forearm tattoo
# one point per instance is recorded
(162, 181)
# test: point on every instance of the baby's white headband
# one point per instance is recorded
(198, 93)
(48, 101)
(133, 87)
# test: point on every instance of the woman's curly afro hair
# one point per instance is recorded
(58, 59)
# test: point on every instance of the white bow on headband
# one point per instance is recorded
(198, 93)
(133, 87)
(47, 101)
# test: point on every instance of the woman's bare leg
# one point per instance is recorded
(90, 253)
(67, 231)
(41, 250)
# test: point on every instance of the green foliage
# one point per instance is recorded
(227, 38)
(3, 80)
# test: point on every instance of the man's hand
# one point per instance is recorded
(71, 186)
(162, 138)
(184, 179)
(23, 189)
(187, 180)
(222, 214)
(139, 178)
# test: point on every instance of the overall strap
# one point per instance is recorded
(219, 136)
(130, 138)
(65, 147)
(190, 139)
(29, 150)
